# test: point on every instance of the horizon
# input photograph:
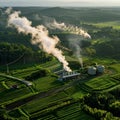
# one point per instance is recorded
(60, 3)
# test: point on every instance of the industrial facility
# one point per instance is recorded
(98, 69)
(68, 76)
(91, 70)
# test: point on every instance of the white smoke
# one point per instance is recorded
(8, 10)
(39, 36)
(68, 28)
(74, 40)
(74, 44)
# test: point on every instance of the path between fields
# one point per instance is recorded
(39, 95)
(28, 83)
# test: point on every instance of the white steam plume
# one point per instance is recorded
(39, 36)
(74, 40)
(69, 28)
(74, 44)
(8, 10)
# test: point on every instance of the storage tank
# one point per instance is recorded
(92, 70)
(100, 68)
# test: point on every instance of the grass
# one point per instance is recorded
(116, 67)
(75, 92)
(114, 24)
(46, 83)
(38, 104)
(18, 66)
(101, 83)
(79, 94)
(78, 116)
(66, 111)
(11, 95)
(24, 72)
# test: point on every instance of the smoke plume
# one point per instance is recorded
(8, 10)
(40, 36)
(74, 39)
(74, 44)
(68, 28)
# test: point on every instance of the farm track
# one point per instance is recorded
(38, 96)
(28, 83)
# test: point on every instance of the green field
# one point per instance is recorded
(46, 83)
(42, 103)
(116, 67)
(12, 95)
(114, 24)
(101, 83)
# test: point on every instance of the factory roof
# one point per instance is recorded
(70, 75)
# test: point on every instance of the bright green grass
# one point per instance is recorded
(38, 104)
(75, 92)
(114, 24)
(79, 94)
(100, 83)
(45, 83)
(116, 67)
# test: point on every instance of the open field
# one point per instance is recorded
(116, 67)
(75, 92)
(114, 24)
(46, 83)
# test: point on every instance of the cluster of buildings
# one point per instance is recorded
(91, 70)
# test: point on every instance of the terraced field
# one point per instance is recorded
(40, 104)
(71, 112)
(101, 83)
(47, 102)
